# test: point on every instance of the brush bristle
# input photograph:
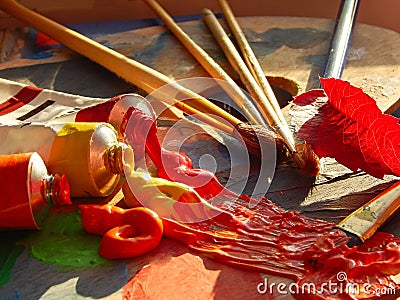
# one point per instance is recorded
(253, 136)
(304, 157)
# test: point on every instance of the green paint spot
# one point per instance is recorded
(65, 243)
(9, 252)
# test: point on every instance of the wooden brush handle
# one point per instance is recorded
(210, 65)
(366, 220)
(132, 71)
(247, 78)
(250, 58)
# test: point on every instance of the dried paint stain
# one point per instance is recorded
(64, 242)
(10, 250)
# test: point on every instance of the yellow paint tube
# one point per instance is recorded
(89, 154)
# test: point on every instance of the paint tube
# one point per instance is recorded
(116, 112)
(88, 153)
(113, 111)
(24, 104)
(28, 191)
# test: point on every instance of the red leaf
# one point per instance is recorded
(346, 124)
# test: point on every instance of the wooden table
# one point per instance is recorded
(291, 51)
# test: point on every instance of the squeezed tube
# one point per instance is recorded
(88, 153)
(28, 191)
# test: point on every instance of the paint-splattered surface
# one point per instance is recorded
(60, 259)
(172, 271)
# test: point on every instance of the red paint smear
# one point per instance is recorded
(265, 238)
(367, 269)
(24, 96)
(173, 261)
(271, 240)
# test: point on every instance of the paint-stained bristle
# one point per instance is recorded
(306, 159)
(253, 136)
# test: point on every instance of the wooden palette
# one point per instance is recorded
(292, 52)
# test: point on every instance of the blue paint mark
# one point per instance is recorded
(269, 41)
(39, 55)
(16, 296)
(146, 56)
(107, 44)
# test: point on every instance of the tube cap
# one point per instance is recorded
(61, 190)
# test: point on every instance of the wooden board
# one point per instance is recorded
(293, 49)
(290, 50)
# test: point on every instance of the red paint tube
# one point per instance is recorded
(28, 191)
(117, 112)
(133, 108)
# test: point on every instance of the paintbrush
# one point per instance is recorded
(341, 39)
(251, 59)
(253, 88)
(365, 221)
(146, 78)
(210, 65)
(150, 80)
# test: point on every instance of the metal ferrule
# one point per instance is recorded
(47, 188)
(366, 220)
(118, 157)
